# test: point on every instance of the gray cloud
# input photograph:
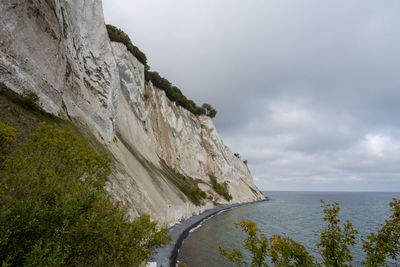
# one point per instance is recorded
(307, 91)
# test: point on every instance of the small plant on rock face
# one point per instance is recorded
(221, 189)
(189, 186)
(334, 244)
(30, 100)
(182, 264)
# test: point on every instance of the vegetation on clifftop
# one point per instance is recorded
(117, 35)
(172, 92)
(54, 210)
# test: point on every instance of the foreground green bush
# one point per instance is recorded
(8, 137)
(334, 246)
(54, 210)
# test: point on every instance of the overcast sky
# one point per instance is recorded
(307, 91)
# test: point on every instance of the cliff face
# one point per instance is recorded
(60, 50)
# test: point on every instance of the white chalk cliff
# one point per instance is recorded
(60, 50)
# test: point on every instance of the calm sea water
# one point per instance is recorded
(297, 214)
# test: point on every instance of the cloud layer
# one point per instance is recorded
(306, 91)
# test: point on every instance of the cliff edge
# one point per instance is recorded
(167, 162)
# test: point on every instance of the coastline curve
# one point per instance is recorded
(168, 256)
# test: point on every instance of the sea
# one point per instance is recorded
(298, 214)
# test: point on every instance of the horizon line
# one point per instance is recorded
(333, 191)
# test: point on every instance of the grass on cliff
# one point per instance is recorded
(54, 210)
(221, 189)
(187, 185)
(23, 113)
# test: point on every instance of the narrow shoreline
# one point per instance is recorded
(168, 256)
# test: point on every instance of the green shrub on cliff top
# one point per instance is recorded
(117, 35)
(209, 110)
(54, 210)
(173, 93)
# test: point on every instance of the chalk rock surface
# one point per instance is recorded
(60, 51)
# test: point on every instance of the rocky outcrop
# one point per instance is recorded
(60, 51)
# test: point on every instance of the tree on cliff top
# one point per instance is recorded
(54, 210)
(210, 111)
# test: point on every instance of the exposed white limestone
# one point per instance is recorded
(60, 51)
(159, 129)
